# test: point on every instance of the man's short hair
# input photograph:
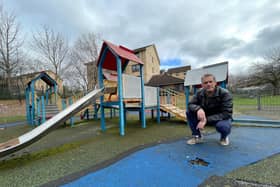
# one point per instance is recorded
(208, 75)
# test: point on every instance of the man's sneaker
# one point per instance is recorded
(224, 141)
(195, 140)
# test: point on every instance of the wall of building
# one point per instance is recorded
(151, 64)
(12, 108)
(91, 75)
(20, 83)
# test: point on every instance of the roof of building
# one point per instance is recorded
(164, 79)
(34, 74)
(219, 70)
(45, 77)
(142, 48)
(110, 61)
(178, 69)
(90, 63)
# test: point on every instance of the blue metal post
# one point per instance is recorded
(158, 106)
(72, 118)
(223, 84)
(120, 93)
(95, 115)
(55, 92)
(63, 102)
(87, 113)
(38, 103)
(27, 104)
(125, 114)
(33, 103)
(43, 109)
(187, 95)
(143, 116)
(101, 85)
(47, 96)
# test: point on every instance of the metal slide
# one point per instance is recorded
(28, 138)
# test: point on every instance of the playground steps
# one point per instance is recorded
(179, 113)
(51, 110)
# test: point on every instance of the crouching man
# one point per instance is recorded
(211, 105)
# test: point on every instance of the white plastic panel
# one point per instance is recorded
(131, 87)
(150, 96)
(220, 71)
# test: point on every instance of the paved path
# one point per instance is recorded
(170, 164)
(6, 125)
(248, 117)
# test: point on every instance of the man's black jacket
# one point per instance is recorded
(217, 107)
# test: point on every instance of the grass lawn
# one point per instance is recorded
(265, 171)
(266, 100)
(10, 119)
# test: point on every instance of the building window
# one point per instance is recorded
(135, 68)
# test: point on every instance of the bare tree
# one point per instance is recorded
(52, 48)
(10, 44)
(268, 72)
(83, 59)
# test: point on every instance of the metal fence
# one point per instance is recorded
(12, 92)
(261, 102)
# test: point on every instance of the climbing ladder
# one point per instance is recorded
(51, 110)
(172, 109)
(173, 103)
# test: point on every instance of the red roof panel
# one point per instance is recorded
(110, 60)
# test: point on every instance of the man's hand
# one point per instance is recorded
(201, 118)
(201, 115)
(201, 125)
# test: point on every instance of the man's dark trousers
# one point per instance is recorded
(223, 126)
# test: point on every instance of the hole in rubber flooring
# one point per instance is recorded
(199, 161)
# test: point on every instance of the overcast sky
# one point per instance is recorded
(196, 33)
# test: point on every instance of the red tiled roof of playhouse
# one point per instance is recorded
(123, 52)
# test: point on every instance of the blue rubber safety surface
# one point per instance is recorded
(169, 164)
